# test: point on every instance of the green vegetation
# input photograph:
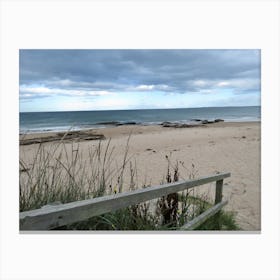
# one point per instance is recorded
(59, 174)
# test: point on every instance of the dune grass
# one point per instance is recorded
(57, 174)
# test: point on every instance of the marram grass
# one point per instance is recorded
(56, 174)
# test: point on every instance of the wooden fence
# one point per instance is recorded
(53, 216)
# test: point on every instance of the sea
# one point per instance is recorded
(32, 122)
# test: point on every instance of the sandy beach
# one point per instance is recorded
(206, 150)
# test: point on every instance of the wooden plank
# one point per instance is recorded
(59, 215)
(193, 224)
(219, 191)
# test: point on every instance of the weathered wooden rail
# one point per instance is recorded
(53, 216)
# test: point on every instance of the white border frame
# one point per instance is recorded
(146, 24)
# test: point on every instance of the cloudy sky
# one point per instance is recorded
(65, 80)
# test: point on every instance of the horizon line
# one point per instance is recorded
(101, 110)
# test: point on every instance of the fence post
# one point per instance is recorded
(219, 191)
(218, 199)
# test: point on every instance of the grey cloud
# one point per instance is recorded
(176, 71)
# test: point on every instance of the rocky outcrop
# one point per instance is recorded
(198, 122)
(63, 136)
(127, 123)
(115, 123)
(207, 122)
(179, 125)
(108, 123)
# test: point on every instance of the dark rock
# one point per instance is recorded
(169, 124)
(196, 120)
(207, 122)
(165, 123)
(126, 123)
(109, 123)
(218, 120)
(186, 125)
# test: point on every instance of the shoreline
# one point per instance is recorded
(124, 127)
(109, 124)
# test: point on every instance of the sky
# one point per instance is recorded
(77, 80)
